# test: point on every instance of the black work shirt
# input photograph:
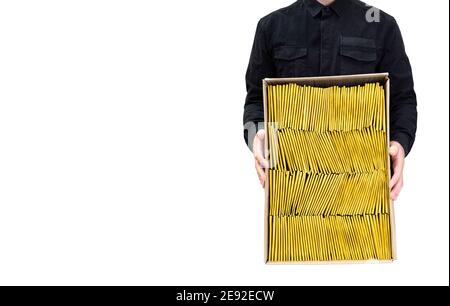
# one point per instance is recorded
(347, 37)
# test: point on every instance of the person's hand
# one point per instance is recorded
(397, 154)
(260, 160)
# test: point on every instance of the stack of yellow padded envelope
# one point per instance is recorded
(328, 174)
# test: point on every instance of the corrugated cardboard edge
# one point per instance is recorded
(325, 81)
(266, 171)
(388, 133)
(334, 262)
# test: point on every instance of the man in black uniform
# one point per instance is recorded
(332, 37)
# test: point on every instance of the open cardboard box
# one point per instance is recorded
(328, 81)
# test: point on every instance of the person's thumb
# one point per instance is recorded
(393, 150)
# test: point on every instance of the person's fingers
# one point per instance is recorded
(397, 167)
(260, 180)
(260, 172)
(396, 189)
(262, 161)
(258, 150)
(397, 164)
(396, 176)
(398, 171)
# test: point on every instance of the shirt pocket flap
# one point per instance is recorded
(358, 48)
(289, 53)
(364, 56)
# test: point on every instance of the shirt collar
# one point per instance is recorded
(314, 7)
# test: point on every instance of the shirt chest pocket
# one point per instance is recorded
(291, 61)
(357, 55)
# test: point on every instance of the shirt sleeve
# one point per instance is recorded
(260, 66)
(403, 104)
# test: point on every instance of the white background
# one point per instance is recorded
(121, 151)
